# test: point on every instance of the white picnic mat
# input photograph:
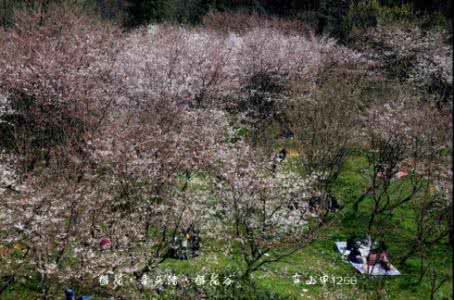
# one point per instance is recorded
(364, 268)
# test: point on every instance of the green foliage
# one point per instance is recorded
(436, 21)
(142, 12)
(396, 14)
(8, 7)
(332, 15)
(6, 12)
(248, 291)
(152, 11)
(338, 17)
(363, 14)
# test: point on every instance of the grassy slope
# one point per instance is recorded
(320, 258)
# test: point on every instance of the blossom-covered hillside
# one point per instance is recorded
(135, 163)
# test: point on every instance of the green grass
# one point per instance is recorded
(317, 259)
(320, 258)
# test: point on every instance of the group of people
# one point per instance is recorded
(378, 254)
(187, 246)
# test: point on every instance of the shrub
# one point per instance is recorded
(55, 71)
(325, 123)
(412, 55)
(206, 65)
(310, 19)
(33, 128)
(143, 12)
(241, 22)
(156, 11)
(332, 14)
(396, 14)
(363, 14)
(8, 7)
(436, 21)
(191, 11)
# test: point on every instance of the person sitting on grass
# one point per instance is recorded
(379, 255)
(353, 246)
(355, 256)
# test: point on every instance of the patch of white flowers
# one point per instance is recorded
(180, 62)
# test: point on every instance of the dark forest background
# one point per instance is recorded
(335, 17)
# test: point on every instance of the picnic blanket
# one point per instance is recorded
(364, 268)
